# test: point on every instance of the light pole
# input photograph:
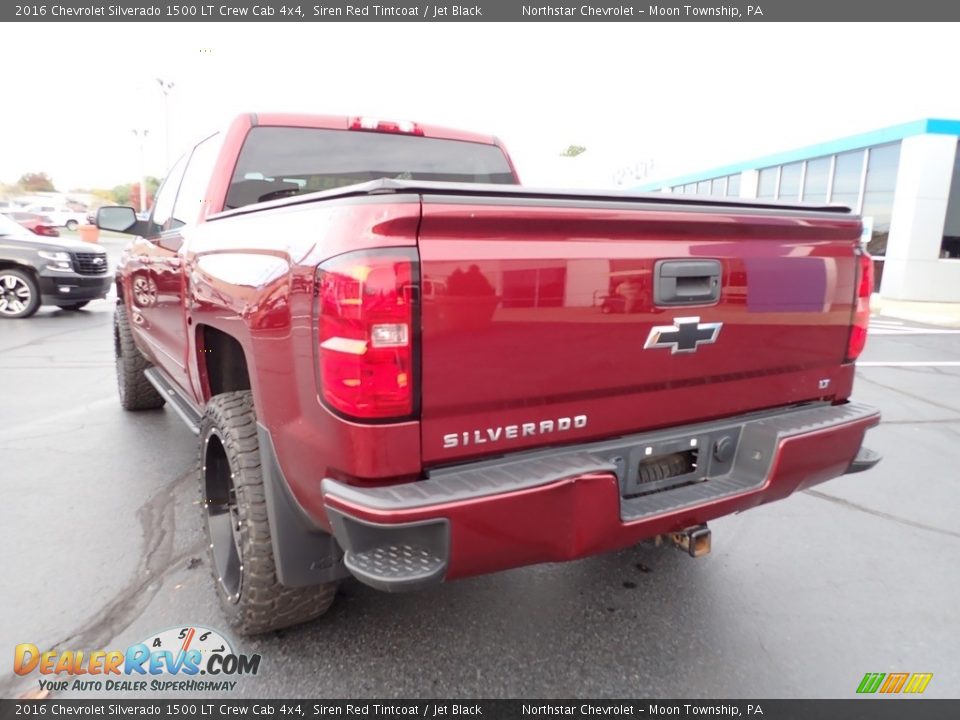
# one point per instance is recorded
(165, 88)
(141, 136)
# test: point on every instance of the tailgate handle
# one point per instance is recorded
(686, 282)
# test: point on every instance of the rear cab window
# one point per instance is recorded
(278, 162)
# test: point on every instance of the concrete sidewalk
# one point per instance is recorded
(931, 313)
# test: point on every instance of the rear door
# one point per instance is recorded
(167, 270)
(558, 320)
(156, 282)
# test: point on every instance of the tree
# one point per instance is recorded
(573, 151)
(129, 193)
(121, 194)
(36, 182)
(105, 195)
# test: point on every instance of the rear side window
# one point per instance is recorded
(278, 162)
(162, 218)
(193, 187)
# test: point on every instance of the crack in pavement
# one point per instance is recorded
(85, 409)
(45, 338)
(56, 366)
(157, 519)
(880, 514)
(911, 395)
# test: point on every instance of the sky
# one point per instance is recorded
(677, 97)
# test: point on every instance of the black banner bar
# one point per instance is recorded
(209, 709)
(479, 11)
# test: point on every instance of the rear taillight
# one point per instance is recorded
(366, 333)
(861, 311)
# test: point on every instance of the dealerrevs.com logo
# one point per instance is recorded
(187, 659)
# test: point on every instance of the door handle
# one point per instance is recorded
(686, 282)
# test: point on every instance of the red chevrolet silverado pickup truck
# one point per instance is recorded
(403, 366)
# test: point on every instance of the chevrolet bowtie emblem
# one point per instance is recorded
(685, 335)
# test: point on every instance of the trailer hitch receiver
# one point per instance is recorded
(693, 540)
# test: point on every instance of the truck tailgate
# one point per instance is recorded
(552, 320)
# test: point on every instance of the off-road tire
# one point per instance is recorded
(230, 456)
(74, 306)
(136, 392)
(19, 282)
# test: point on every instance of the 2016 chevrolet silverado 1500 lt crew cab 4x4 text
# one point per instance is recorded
(405, 367)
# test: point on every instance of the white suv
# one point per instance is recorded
(60, 216)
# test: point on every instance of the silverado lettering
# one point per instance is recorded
(512, 432)
(327, 302)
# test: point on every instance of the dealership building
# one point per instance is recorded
(904, 181)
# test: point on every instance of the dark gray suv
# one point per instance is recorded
(36, 270)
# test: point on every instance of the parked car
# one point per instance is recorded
(387, 349)
(37, 224)
(60, 216)
(37, 271)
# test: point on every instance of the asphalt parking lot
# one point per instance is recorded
(102, 541)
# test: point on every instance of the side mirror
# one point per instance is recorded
(120, 219)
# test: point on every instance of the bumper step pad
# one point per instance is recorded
(393, 557)
(392, 564)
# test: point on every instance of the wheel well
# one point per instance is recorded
(222, 361)
(7, 265)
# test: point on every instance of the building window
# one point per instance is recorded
(678, 189)
(703, 187)
(767, 184)
(733, 186)
(816, 180)
(950, 247)
(790, 182)
(539, 287)
(882, 163)
(690, 188)
(718, 187)
(846, 179)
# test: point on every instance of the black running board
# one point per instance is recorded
(183, 406)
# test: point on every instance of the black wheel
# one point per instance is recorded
(238, 530)
(71, 225)
(136, 392)
(19, 294)
(74, 306)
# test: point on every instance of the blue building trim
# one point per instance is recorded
(927, 126)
